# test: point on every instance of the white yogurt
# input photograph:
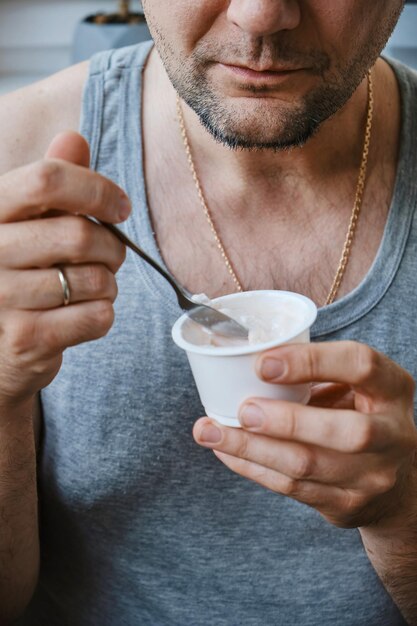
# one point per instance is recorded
(201, 298)
(265, 324)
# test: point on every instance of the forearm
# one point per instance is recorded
(392, 549)
(19, 543)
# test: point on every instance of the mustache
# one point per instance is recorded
(268, 53)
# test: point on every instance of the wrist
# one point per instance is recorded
(397, 521)
(16, 413)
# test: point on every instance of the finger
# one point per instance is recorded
(375, 473)
(301, 462)
(366, 370)
(32, 337)
(58, 240)
(343, 430)
(37, 188)
(75, 324)
(339, 506)
(70, 146)
(42, 289)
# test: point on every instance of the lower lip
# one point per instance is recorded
(251, 76)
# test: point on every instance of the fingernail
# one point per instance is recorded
(272, 368)
(251, 416)
(210, 434)
(125, 207)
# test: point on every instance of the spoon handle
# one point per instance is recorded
(182, 299)
(201, 313)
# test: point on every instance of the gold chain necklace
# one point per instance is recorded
(354, 218)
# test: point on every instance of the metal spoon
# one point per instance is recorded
(201, 313)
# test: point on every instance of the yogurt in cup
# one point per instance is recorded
(224, 370)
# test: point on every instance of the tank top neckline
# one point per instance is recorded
(343, 312)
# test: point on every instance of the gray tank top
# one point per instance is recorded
(139, 525)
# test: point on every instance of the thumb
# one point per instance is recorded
(70, 146)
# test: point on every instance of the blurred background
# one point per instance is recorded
(39, 37)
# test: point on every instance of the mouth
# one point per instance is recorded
(255, 76)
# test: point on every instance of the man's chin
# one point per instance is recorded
(236, 137)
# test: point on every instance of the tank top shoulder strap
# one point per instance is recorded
(111, 122)
(105, 92)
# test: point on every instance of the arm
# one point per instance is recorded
(25, 136)
(25, 139)
(391, 546)
(19, 544)
(35, 328)
(350, 454)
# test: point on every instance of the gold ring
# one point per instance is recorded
(65, 287)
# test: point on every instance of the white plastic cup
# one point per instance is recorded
(226, 376)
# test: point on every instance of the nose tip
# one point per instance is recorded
(264, 17)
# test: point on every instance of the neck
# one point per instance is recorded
(335, 147)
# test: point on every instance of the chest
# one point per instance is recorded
(265, 250)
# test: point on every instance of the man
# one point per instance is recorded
(138, 525)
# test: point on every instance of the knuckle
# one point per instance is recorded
(47, 367)
(121, 256)
(50, 338)
(354, 503)
(311, 365)
(97, 279)
(101, 195)
(114, 289)
(362, 435)
(367, 362)
(44, 178)
(409, 385)
(409, 442)
(79, 237)
(259, 473)
(290, 422)
(104, 316)
(243, 445)
(289, 487)
(19, 336)
(303, 467)
(383, 482)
